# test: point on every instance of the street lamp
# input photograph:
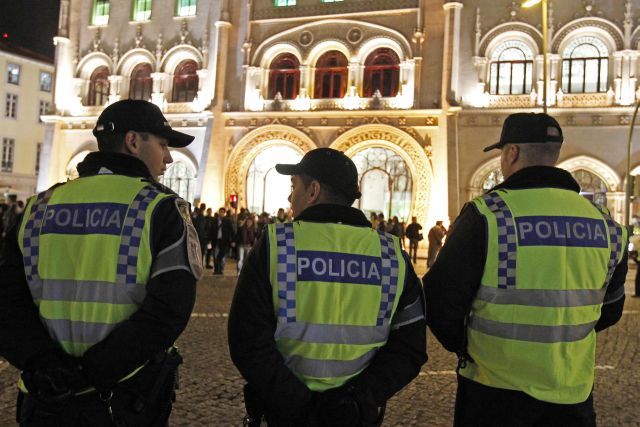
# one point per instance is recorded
(527, 4)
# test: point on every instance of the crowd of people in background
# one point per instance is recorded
(228, 233)
(9, 212)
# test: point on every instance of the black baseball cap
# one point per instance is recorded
(140, 116)
(522, 128)
(329, 166)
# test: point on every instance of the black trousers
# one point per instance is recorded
(479, 405)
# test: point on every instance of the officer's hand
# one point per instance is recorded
(339, 408)
(54, 376)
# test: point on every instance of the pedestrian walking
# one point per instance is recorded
(436, 238)
(225, 236)
(200, 224)
(332, 352)
(110, 261)
(529, 273)
(210, 239)
(415, 236)
(246, 238)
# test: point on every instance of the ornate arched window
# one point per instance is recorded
(284, 76)
(141, 82)
(494, 178)
(181, 178)
(331, 75)
(267, 190)
(591, 186)
(381, 72)
(71, 169)
(385, 182)
(511, 69)
(585, 66)
(185, 81)
(98, 87)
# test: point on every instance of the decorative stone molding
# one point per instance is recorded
(270, 12)
(510, 101)
(246, 150)
(400, 142)
(480, 175)
(517, 27)
(569, 100)
(596, 167)
(583, 24)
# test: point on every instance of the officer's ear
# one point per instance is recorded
(132, 142)
(314, 191)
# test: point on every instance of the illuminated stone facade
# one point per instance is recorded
(431, 81)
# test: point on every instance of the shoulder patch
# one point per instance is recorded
(183, 208)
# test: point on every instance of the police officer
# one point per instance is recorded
(99, 281)
(530, 272)
(327, 321)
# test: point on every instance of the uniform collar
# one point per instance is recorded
(117, 163)
(538, 177)
(334, 214)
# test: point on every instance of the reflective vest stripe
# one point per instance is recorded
(331, 334)
(78, 332)
(532, 333)
(327, 368)
(90, 291)
(506, 240)
(410, 314)
(286, 273)
(31, 238)
(389, 277)
(616, 238)
(131, 235)
(541, 297)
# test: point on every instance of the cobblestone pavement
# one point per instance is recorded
(211, 388)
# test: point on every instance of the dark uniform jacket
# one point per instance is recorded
(252, 325)
(453, 281)
(153, 328)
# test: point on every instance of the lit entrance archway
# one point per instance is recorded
(416, 163)
(181, 178)
(71, 171)
(249, 148)
(267, 190)
(385, 182)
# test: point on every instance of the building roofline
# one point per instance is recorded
(25, 53)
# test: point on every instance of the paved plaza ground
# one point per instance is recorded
(211, 388)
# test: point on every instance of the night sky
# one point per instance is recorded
(30, 24)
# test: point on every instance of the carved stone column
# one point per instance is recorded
(158, 95)
(114, 88)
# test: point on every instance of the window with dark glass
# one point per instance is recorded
(185, 82)
(11, 106)
(141, 82)
(13, 74)
(38, 157)
(331, 75)
(8, 148)
(98, 87)
(141, 10)
(284, 76)
(45, 81)
(585, 66)
(43, 110)
(511, 69)
(382, 72)
(186, 7)
(100, 12)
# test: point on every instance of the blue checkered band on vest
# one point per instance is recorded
(286, 272)
(389, 277)
(615, 236)
(31, 236)
(506, 240)
(131, 234)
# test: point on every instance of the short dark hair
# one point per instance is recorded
(331, 195)
(114, 142)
